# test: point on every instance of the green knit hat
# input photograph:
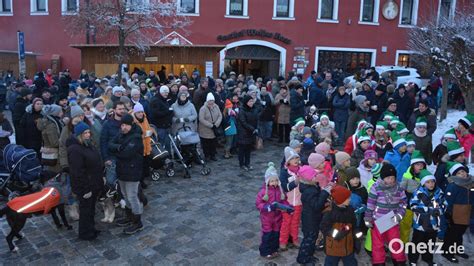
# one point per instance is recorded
(426, 175)
(397, 140)
(417, 157)
(401, 128)
(362, 136)
(376, 170)
(421, 122)
(381, 125)
(467, 120)
(453, 167)
(324, 115)
(299, 122)
(388, 116)
(410, 140)
(394, 120)
(454, 148)
(450, 134)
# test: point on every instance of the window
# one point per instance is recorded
(409, 13)
(69, 7)
(369, 12)
(328, 10)
(349, 59)
(446, 9)
(237, 8)
(283, 9)
(403, 60)
(188, 6)
(136, 5)
(39, 7)
(6, 7)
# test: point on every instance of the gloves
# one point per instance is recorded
(171, 109)
(255, 132)
(87, 195)
(66, 170)
(397, 218)
(282, 101)
(186, 119)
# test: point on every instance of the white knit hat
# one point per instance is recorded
(210, 97)
(164, 89)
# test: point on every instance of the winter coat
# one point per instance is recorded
(440, 173)
(341, 107)
(357, 157)
(184, 111)
(422, 205)
(268, 109)
(438, 153)
(86, 167)
(31, 135)
(410, 183)
(325, 176)
(313, 200)
(381, 145)
(404, 106)
(209, 117)
(110, 129)
(365, 173)
(145, 126)
(460, 198)
(128, 149)
(96, 130)
(160, 112)
(18, 111)
(65, 135)
(338, 218)
(400, 161)
(293, 196)
(296, 105)
(425, 146)
(351, 144)
(283, 109)
(381, 103)
(466, 141)
(317, 97)
(271, 221)
(359, 193)
(284, 179)
(247, 122)
(430, 116)
(295, 134)
(354, 118)
(51, 128)
(328, 131)
(5, 132)
(383, 199)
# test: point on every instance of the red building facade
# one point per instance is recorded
(261, 37)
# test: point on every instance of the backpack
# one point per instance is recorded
(342, 247)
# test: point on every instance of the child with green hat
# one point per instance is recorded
(326, 129)
(398, 156)
(381, 138)
(422, 139)
(455, 154)
(442, 149)
(363, 144)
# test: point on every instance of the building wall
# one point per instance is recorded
(9, 61)
(46, 35)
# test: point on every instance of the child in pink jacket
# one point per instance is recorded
(270, 197)
(317, 162)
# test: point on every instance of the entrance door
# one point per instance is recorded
(256, 60)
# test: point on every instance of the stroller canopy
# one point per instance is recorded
(22, 163)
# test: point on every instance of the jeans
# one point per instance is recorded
(340, 129)
(244, 154)
(265, 128)
(348, 260)
(130, 194)
(111, 174)
(229, 142)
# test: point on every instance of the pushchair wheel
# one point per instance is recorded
(205, 171)
(170, 172)
(155, 176)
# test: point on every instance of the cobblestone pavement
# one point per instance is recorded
(208, 220)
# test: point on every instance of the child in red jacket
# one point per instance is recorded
(270, 202)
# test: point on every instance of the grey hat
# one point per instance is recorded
(53, 110)
(360, 99)
(294, 143)
(125, 99)
(76, 110)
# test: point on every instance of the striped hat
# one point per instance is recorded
(376, 170)
(381, 125)
(454, 148)
(401, 128)
(409, 139)
(450, 134)
(453, 167)
(388, 116)
(324, 115)
(421, 122)
(362, 136)
(426, 175)
(397, 140)
(417, 157)
(299, 122)
(467, 120)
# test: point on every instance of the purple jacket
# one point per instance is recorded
(271, 220)
(383, 199)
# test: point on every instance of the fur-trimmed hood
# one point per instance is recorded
(331, 124)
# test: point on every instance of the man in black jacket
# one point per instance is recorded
(162, 114)
(127, 147)
(19, 110)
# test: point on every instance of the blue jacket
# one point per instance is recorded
(110, 129)
(316, 97)
(458, 196)
(341, 107)
(401, 162)
(297, 106)
(422, 204)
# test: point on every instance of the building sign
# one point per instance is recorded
(151, 59)
(209, 67)
(21, 53)
(254, 33)
(300, 60)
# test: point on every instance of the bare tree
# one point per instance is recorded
(449, 45)
(133, 24)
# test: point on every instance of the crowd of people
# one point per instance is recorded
(356, 150)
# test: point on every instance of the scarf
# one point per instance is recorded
(145, 126)
(102, 115)
(463, 182)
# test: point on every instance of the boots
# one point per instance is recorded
(73, 211)
(227, 155)
(135, 226)
(126, 220)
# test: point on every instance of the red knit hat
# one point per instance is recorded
(340, 194)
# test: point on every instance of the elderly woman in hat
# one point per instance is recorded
(210, 118)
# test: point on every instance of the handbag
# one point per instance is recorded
(218, 131)
(258, 143)
(49, 156)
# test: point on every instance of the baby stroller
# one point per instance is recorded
(160, 158)
(19, 169)
(185, 145)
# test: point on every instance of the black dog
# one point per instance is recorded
(16, 220)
